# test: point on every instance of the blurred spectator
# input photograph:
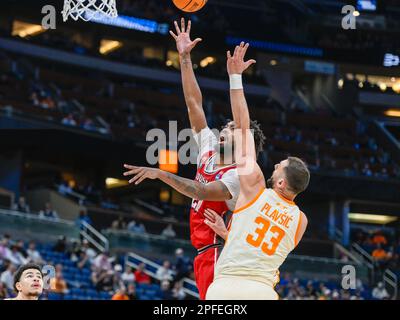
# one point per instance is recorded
(90, 252)
(120, 295)
(379, 239)
(366, 171)
(7, 277)
(169, 232)
(3, 291)
(166, 293)
(69, 120)
(16, 257)
(33, 254)
(61, 245)
(119, 224)
(131, 292)
(5, 251)
(380, 292)
(48, 212)
(140, 228)
(103, 280)
(22, 206)
(182, 265)
(141, 276)
(102, 262)
(34, 99)
(117, 277)
(164, 272)
(83, 216)
(88, 124)
(379, 254)
(64, 188)
(128, 276)
(58, 284)
(21, 248)
(83, 261)
(131, 226)
(177, 292)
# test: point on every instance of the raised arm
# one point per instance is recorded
(191, 89)
(214, 191)
(250, 174)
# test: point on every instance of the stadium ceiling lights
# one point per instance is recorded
(371, 218)
(24, 29)
(393, 113)
(115, 183)
(107, 46)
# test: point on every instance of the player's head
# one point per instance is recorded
(28, 281)
(226, 137)
(290, 176)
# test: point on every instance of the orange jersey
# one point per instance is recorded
(261, 236)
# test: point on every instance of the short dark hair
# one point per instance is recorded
(258, 134)
(21, 269)
(259, 137)
(297, 175)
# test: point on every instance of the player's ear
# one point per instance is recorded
(18, 286)
(281, 183)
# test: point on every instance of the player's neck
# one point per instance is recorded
(284, 194)
(22, 296)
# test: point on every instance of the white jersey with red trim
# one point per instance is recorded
(261, 236)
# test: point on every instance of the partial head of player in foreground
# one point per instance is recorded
(28, 282)
(266, 224)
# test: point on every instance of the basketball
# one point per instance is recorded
(190, 5)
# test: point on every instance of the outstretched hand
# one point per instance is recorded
(216, 223)
(236, 64)
(140, 173)
(184, 44)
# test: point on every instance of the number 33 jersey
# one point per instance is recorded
(261, 236)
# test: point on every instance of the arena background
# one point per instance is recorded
(76, 103)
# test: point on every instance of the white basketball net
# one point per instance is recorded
(87, 9)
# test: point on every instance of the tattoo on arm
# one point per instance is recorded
(192, 188)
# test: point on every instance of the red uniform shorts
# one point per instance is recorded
(204, 265)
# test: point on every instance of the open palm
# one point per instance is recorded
(184, 44)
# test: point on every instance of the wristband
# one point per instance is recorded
(235, 81)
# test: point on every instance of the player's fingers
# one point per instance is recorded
(195, 42)
(213, 216)
(209, 216)
(235, 53)
(244, 50)
(141, 179)
(211, 211)
(228, 55)
(183, 24)
(173, 34)
(128, 166)
(250, 62)
(189, 27)
(137, 176)
(178, 31)
(209, 223)
(131, 172)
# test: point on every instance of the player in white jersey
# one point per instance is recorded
(28, 282)
(266, 225)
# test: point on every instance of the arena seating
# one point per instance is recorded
(130, 109)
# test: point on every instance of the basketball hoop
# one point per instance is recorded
(87, 9)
